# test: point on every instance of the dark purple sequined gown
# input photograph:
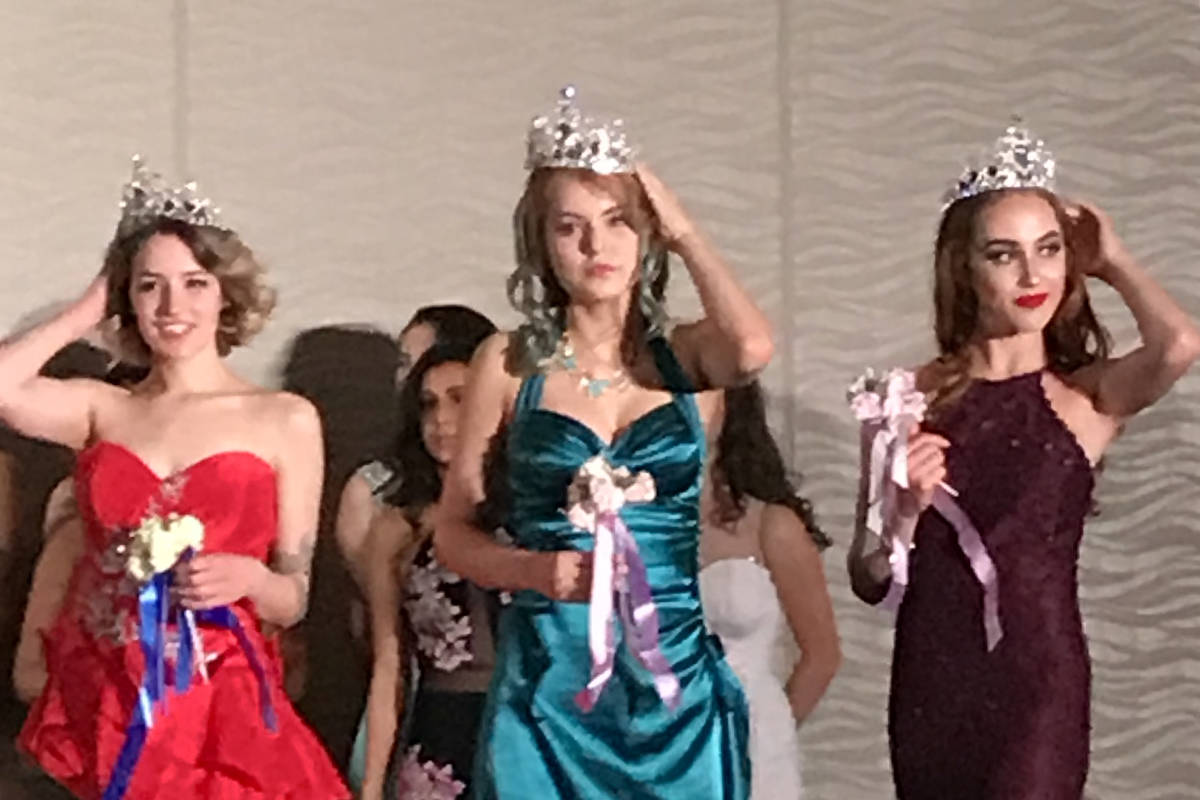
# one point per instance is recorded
(1013, 724)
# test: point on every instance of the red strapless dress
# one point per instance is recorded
(210, 741)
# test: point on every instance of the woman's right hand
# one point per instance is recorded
(926, 469)
(566, 576)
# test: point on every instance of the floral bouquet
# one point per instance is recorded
(886, 398)
(599, 490)
(159, 543)
(888, 406)
(594, 500)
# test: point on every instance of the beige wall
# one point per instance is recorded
(371, 152)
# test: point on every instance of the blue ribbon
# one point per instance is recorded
(154, 611)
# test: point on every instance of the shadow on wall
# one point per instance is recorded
(348, 373)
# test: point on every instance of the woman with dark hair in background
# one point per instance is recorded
(991, 677)
(363, 496)
(763, 586)
(417, 607)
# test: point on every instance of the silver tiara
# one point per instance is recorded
(147, 198)
(567, 138)
(1018, 161)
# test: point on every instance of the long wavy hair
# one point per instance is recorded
(535, 292)
(1074, 336)
(419, 483)
(748, 464)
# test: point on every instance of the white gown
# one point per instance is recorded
(742, 608)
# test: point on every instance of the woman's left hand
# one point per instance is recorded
(1110, 251)
(210, 580)
(673, 221)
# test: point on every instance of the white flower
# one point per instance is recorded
(601, 490)
(887, 398)
(158, 543)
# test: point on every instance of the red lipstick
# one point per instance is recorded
(1032, 300)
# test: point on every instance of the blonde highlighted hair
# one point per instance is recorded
(247, 301)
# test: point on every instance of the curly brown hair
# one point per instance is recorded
(1074, 336)
(247, 300)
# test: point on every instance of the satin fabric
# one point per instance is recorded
(535, 742)
(210, 742)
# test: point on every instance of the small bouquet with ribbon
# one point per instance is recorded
(595, 499)
(425, 780)
(152, 551)
(158, 544)
(888, 406)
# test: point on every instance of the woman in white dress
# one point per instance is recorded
(763, 586)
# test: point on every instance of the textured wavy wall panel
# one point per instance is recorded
(375, 158)
(79, 94)
(371, 152)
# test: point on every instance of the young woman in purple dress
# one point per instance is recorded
(1024, 399)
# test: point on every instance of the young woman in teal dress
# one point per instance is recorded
(592, 378)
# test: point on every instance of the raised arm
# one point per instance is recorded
(1121, 387)
(795, 566)
(46, 408)
(461, 546)
(388, 538)
(732, 344)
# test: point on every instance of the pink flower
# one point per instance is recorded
(600, 490)
(886, 399)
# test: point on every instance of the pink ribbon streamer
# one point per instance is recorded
(887, 417)
(619, 579)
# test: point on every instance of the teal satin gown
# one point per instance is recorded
(535, 743)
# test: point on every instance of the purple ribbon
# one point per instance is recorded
(969, 539)
(619, 578)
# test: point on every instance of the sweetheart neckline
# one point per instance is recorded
(618, 436)
(130, 453)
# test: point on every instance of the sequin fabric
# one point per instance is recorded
(1012, 723)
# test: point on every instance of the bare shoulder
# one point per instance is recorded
(356, 490)
(292, 420)
(495, 368)
(780, 530)
(295, 414)
(1073, 398)
(498, 356)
